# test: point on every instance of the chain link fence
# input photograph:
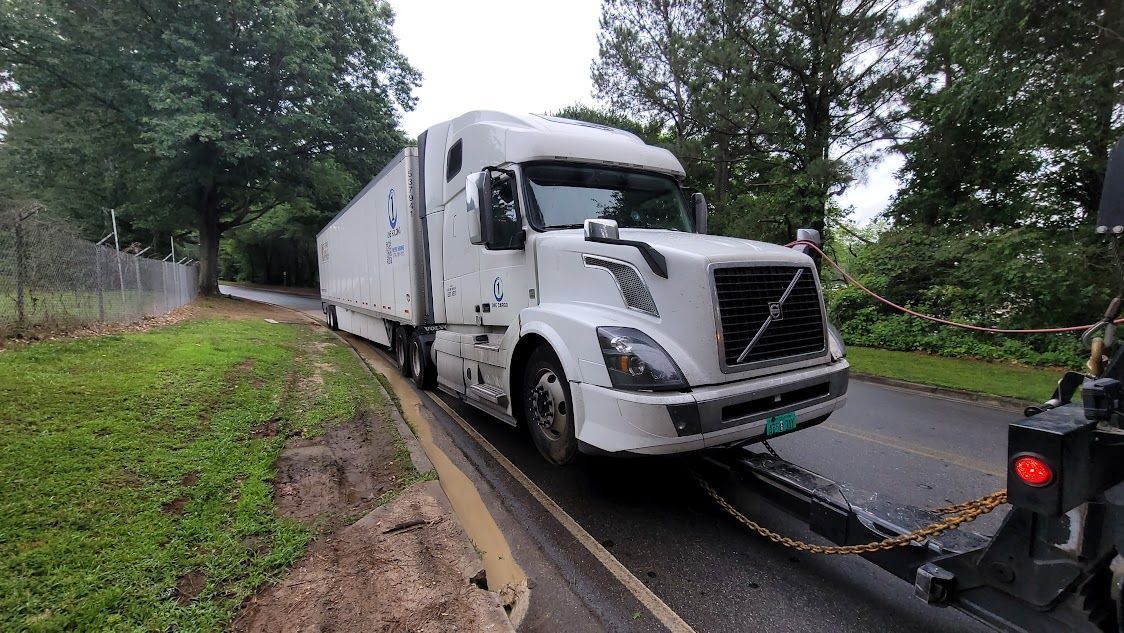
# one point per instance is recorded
(50, 278)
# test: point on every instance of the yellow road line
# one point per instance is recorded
(969, 463)
(651, 601)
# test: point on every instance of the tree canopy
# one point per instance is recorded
(198, 114)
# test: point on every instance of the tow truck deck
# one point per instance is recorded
(1049, 567)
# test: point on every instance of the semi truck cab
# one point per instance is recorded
(556, 274)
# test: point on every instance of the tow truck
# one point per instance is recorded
(1055, 563)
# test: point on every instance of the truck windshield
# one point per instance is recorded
(564, 196)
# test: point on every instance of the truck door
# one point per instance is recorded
(504, 274)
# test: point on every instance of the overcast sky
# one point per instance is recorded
(542, 51)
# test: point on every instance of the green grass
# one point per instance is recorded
(1033, 384)
(98, 434)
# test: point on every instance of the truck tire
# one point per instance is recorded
(547, 407)
(402, 351)
(421, 369)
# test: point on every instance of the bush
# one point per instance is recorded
(1022, 277)
(868, 327)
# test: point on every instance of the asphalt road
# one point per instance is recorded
(918, 449)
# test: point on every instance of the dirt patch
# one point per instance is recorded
(190, 479)
(406, 566)
(208, 307)
(188, 586)
(266, 429)
(338, 474)
(246, 365)
(175, 506)
(38, 333)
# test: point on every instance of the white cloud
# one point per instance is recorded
(530, 56)
(871, 195)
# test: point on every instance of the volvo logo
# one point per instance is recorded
(391, 212)
(775, 314)
(497, 289)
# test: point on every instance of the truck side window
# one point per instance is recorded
(506, 226)
(453, 161)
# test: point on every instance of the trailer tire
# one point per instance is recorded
(547, 407)
(333, 320)
(402, 351)
(421, 369)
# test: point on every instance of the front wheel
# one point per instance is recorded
(547, 407)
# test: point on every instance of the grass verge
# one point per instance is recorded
(138, 468)
(1033, 384)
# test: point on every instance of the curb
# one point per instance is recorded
(958, 395)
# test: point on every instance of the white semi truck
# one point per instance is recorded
(556, 274)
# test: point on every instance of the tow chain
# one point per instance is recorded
(955, 515)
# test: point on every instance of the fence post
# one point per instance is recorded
(140, 290)
(97, 281)
(21, 270)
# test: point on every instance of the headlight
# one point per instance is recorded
(835, 343)
(635, 361)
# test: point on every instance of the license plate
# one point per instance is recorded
(780, 423)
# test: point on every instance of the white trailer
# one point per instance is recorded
(371, 257)
(556, 274)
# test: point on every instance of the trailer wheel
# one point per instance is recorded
(421, 369)
(401, 351)
(333, 321)
(547, 407)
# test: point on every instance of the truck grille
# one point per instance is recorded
(746, 294)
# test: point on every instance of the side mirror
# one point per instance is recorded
(809, 235)
(701, 213)
(813, 236)
(1110, 215)
(477, 202)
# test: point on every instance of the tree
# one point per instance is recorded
(205, 114)
(782, 100)
(1017, 106)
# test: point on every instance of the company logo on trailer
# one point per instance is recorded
(391, 212)
(497, 289)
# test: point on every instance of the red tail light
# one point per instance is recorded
(1033, 471)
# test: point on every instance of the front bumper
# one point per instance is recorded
(613, 420)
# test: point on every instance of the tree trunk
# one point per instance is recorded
(209, 233)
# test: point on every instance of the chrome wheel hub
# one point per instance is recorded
(547, 404)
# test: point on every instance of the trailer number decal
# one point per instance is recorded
(391, 212)
(780, 423)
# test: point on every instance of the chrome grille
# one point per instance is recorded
(633, 289)
(746, 294)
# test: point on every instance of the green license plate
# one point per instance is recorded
(780, 423)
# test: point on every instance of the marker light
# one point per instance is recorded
(1033, 471)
